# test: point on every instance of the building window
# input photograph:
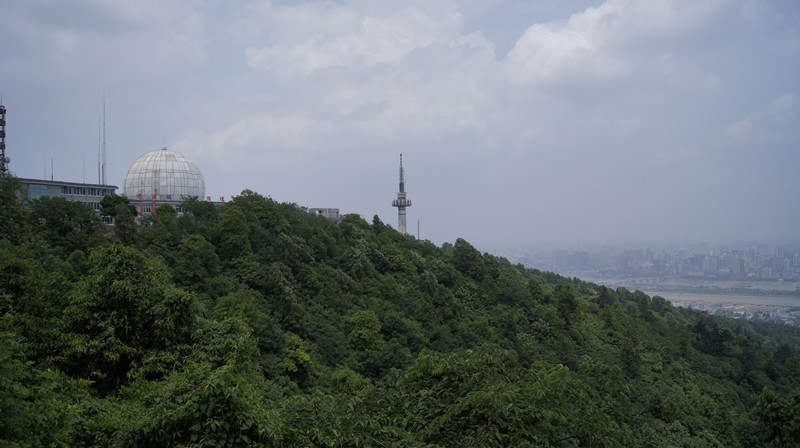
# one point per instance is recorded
(36, 191)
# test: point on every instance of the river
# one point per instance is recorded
(651, 288)
(727, 298)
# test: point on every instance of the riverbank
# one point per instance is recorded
(776, 309)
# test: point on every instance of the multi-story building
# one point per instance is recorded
(89, 194)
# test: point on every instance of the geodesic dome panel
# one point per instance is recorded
(165, 174)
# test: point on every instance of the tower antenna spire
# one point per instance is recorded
(402, 181)
(401, 202)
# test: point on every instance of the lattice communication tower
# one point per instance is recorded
(4, 161)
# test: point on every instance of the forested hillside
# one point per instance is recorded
(259, 324)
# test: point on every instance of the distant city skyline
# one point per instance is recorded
(522, 121)
(743, 261)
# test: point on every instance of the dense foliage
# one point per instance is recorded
(258, 324)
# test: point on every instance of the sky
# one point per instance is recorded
(519, 121)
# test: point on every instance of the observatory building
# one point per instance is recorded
(162, 177)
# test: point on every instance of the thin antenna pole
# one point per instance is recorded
(51, 168)
(99, 150)
(103, 181)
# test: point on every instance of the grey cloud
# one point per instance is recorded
(520, 121)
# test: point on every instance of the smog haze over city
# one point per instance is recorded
(519, 121)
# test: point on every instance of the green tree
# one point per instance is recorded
(566, 302)
(228, 340)
(468, 260)
(122, 310)
(604, 298)
(296, 361)
(482, 398)
(347, 381)
(65, 224)
(159, 233)
(40, 407)
(196, 263)
(779, 418)
(125, 226)
(364, 330)
(660, 305)
(199, 217)
(199, 406)
(540, 291)
(231, 235)
(109, 203)
(513, 288)
(250, 306)
(12, 214)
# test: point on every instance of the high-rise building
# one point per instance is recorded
(401, 202)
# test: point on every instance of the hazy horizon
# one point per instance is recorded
(520, 122)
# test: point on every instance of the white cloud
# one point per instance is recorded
(360, 42)
(781, 104)
(602, 42)
(627, 126)
(750, 11)
(65, 40)
(739, 130)
(686, 74)
(762, 120)
(675, 157)
(546, 51)
(258, 135)
(620, 102)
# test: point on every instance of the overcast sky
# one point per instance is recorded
(519, 121)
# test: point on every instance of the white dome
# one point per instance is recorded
(165, 174)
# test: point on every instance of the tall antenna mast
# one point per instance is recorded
(103, 157)
(99, 150)
(401, 202)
